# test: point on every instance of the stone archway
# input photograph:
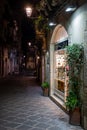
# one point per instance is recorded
(59, 35)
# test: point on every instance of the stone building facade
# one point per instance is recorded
(74, 30)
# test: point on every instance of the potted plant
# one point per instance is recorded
(73, 105)
(45, 87)
(73, 100)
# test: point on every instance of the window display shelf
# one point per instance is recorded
(61, 80)
(60, 76)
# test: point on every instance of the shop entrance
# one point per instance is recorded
(58, 76)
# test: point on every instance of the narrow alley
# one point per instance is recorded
(23, 107)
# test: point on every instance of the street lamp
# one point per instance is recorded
(28, 11)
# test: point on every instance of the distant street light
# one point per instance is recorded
(29, 43)
(38, 57)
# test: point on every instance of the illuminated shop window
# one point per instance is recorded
(60, 63)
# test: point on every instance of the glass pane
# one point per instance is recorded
(60, 63)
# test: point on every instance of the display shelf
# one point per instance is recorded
(62, 80)
(61, 85)
(60, 76)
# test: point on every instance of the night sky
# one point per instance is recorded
(28, 32)
(26, 25)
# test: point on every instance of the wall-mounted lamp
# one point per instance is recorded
(52, 24)
(70, 9)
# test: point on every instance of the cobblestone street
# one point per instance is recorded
(23, 107)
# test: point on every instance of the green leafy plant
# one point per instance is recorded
(42, 24)
(72, 101)
(45, 85)
(75, 63)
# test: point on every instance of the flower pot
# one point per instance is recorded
(74, 116)
(45, 91)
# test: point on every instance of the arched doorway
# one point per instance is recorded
(58, 78)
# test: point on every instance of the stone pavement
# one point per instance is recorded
(23, 107)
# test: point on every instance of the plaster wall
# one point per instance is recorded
(47, 66)
(77, 25)
(77, 31)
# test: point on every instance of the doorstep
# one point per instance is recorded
(59, 102)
